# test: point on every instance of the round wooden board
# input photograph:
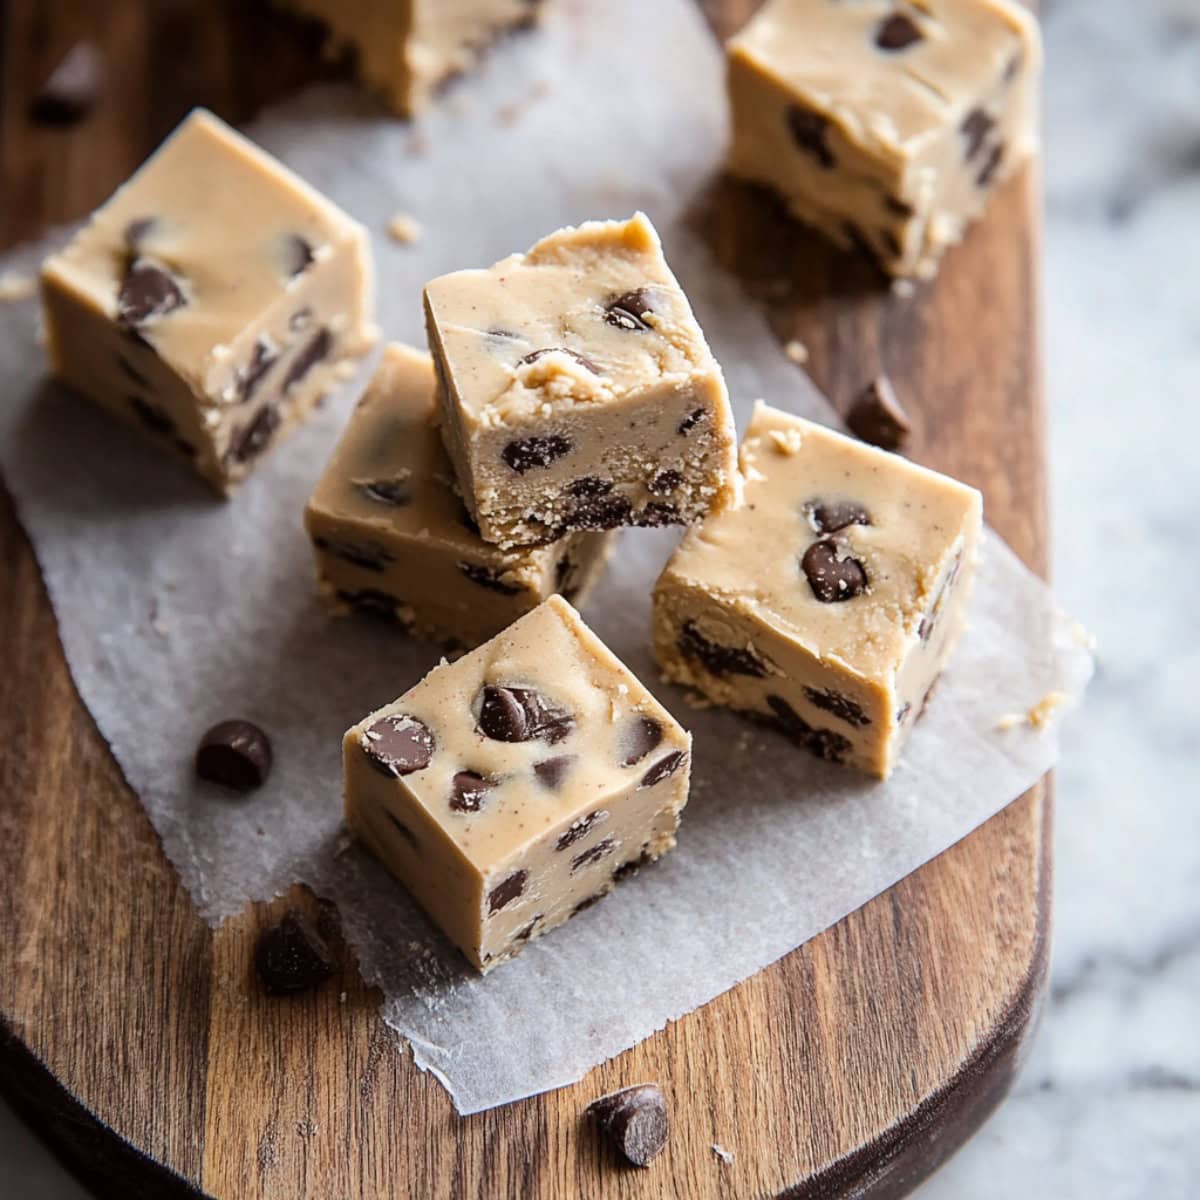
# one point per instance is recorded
(133, 1035)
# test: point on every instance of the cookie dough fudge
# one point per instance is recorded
(392, 538)
(885, 125)
(577, 389)
(511, 789)
(212, 301)
(827, 604)
(403, 49)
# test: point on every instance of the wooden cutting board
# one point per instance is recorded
(133, 1035)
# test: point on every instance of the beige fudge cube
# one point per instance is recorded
(403, 49)
(391, 535)
(512, 788)
(577, 389)
(827, 604)
(212, 301)
(885, 126)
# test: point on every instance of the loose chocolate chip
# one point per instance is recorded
(488, 577)
(991, 166)
(629, 311)
(657, 513)
(552, 771)
(507, 891)
(877, 417)
(534, 355)
(643, 736)
(398, 745)
(251, 440)
(633, 866)
(602, 512)
(718, 660)
(516, 714)
(593, 854)
(824, 743)
(468, 790)
(828, 516)
(138, 230)
(152, 417)
(580, 829)
(396, 492)
(691, 421)
(236, 754)
(635, 1121)
(840, 706)
(291, 956)
(132, 372)
(147, 294)
(297, 255)
(898, 207)
(72, 88)
(664, 482)
(897, 32)
(832, 577)
(589, 486)
(526, 453)
(247, 378)
(663, 769)
(371, 602)
(902, 712)
(809, 130)
(584, 905)
(314, 351)
(403, 830)
(976, 126)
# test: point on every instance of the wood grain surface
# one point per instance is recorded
(134, 1036)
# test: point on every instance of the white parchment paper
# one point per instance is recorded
(177, 610)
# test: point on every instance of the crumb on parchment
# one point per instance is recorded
(1037, 717)
(404, 229)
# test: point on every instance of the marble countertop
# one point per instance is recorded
(1108, 1104)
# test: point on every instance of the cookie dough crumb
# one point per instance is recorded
(15, 286)
(796, 351)
(786, 441)
(1038, 717)
(726, 1156)
(404, 229)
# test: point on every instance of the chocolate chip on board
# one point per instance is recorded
(635, 1120)
(71, 90)
(291, 956)
(236, 754)
(398, 745)
(876, 416)
(897, 32)
(833, 576)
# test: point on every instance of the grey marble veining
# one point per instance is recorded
(1108, 1105)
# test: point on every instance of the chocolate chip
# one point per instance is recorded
(902, 712)
(898, 207)
(589, 486)
(534, 355)
(584, 905)
(828, 516)
(629, 311)
(580, 829)
(526, 453)
(148, 293)
(664, 482)
(507, 891)
(809, 130)
(132, 372)
(316, 349)
(251, 440)
(291, 956)
(516, 714)
(504, 335)
(824, 743)
(602, 512)
(833, 578)
(396, 492)
(398, 745)
(552, 771)
(840, 706)
(718, 660)
(691, 421)
(403, 830)
(371, 602)
(247, 378)
(138, 230)
(633, 866)
(236, 754)
(297, 255)
(991, 166)
(71, 90)
(593, 854)
(643, 736)
(897, 32)
(152, 417)
(928, 695)
(368, 555)
(657, 513)
(468, 790)
(877, 417)
(300, 319)
(663, 769)
(891, 243)
(635, 1121)
(976, 126)
(490, 578)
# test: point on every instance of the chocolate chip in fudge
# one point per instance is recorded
(589, 486)
(809, 131)
(371, 602)
(247, 378)
(490, 578)
(928, 695)
(403, 830)
(315, 350)
(824, 743)
(297, 255)
(665, 482)
(903, 712)
(897, 207)
(236, 754)
(148, 293)
(71, 90)
(593, 854)
(691, 421)
(656, 513)
(132, 372)
(251, 440)
(897, 32)
(991, 166)
(398, 745)
(291, 956)
(584, 905)
(301, 319)
(151, 416)
(828, 516)
(718, 660)
(833, 575)
(580, 829)
(468, 790)
(517, 714)
(534, 355)
(509, 890)
(138, 231)
(552, 771)
(526, 453)
(601, 512)
(976, 126)
(629, 311)
(635, 1121)
(840, 706)
(877, 416)
(663, 769)
(395, 492)
(633, 866)
(369, 555)
(642, 736)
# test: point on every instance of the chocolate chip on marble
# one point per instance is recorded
(138, 230)
(656, 513)
(506, 892)
(589, 486)
(593, 854)
(369, 555)
(976, 126)
(517, 714)
(403, 830)
(629, 311)
(236, 754)
(151, 416)
(897, 32)
(252, 439)
(877, 416)
(291, 956)
(580, 829)
(988, 171)
(635, 1121)
(601, 512)
(371, 602)
(828, 516)
(663, 769)
(716, 659)
(490, 578)
(833, 576)
(809, 130)
(247, 378)
(297, 255)
(132, 372)
(643, 735)
(824, 743)
(315, 350)
(840, 706)
(633, 865)
(665, 482)
(398, 745)
(468, 789)
(583, 361)
(148, 293)
(691, 421)
(526, 453)
(71, 90)
(552, 771)
(395, 492)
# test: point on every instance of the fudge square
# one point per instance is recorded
(212, 301)
(828, 603)
(577, 389)
(392, 538)
(509, 790)
(402, 49)
(885, 125)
